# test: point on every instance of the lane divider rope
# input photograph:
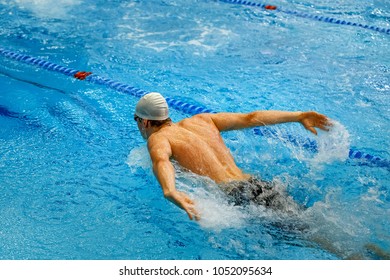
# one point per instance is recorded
(309, 16)
(311, 145)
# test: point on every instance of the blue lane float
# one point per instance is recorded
(309, 16)
(308, 144)
(121, 87)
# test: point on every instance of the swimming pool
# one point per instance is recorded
(75, 176)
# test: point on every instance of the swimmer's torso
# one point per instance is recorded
(197, 145)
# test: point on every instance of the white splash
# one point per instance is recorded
(333, 145)
(139, 158)
(48, 8)
(218, 214)
(211, 202)
(342, 227)
(201, 38)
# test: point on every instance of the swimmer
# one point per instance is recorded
(196, 144)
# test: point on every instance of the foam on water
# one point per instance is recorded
(205, 37)
(215, 211)
(161, 32)
(139, 158)
(345, 227)
(333, 145)
(49, 8)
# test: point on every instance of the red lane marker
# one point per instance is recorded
(270, 7)
(82, 75)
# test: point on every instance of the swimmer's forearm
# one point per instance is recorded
(259, 118)
(310, 120)
(165, 174)
(232, 121)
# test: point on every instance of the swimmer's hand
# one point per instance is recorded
(310, 120)
(184, 201)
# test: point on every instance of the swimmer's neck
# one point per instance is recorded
(153, 129)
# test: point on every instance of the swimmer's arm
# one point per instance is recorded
(160, 152)
(233, 121)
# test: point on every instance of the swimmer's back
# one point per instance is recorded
(197, 145)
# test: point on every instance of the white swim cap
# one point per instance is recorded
(152, 106)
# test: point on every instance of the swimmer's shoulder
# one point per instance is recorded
(198, 119)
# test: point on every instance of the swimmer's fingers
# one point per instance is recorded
(310, 120)
(189, 201)
(311, 129)
(192, 212)
(324, 123)
(188, 205)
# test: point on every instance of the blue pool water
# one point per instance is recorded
(75, 175)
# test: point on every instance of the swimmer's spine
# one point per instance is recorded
(309, 16)
(182, 106)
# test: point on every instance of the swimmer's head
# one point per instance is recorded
(152, 106)
(151, 113)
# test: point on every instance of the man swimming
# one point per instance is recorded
(196, 144)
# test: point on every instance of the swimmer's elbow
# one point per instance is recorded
(255, 119)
